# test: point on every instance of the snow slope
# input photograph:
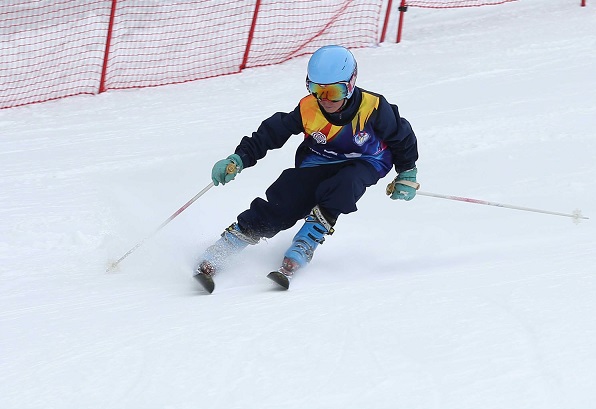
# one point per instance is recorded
(426, 304)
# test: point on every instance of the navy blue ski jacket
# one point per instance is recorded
(367, 128)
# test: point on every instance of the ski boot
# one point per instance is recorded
(300, 253)
(231, 242)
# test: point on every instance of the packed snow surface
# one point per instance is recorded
(424, 304)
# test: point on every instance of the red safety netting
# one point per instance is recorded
(159, 42)
(55, 48)
(444, 4)
(50, 49)
(433, 4)
(289, 28)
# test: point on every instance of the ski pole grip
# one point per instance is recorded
(231, 168)
(390, 189)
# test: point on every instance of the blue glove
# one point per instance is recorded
(226, 170)
(404, 186)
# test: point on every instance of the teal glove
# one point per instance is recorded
(404, 186)
(226, 170)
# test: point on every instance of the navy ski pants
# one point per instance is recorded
(335, 188)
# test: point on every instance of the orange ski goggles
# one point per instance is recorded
(332, 92)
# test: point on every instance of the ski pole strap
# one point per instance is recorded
(414, 185)
(391, 186)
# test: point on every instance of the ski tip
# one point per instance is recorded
(280, 279)
(206, 281)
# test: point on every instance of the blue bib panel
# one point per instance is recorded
(330, 143)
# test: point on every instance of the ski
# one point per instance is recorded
(204, 276)
(284, 274)
(206, 281)
(280, 278)
(206, 271)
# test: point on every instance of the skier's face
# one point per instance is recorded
(331, 106)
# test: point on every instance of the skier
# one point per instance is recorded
(352, 138)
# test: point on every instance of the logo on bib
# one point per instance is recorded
(361, 137)
(319, 137)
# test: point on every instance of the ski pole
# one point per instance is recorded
(576, 215)
(231, 168)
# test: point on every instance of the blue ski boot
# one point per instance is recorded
(313, 232)
(216, 256)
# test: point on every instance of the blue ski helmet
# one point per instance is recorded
(331, 64)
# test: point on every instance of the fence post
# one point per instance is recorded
(386, 22)
(106, 55)
(251, 33)
(403, 7)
